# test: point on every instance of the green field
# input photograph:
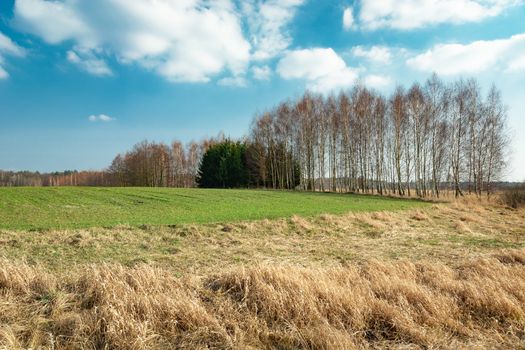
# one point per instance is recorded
(36, 208)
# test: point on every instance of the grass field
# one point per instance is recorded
(97, 268)
(444, 232)
(82, 207)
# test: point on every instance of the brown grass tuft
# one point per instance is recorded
(419, 216)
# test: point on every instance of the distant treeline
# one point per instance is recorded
(214, 162)
(159, 165)
(64, 178)
(418, 141)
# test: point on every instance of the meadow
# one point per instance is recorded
(82, 207)
(135, 268)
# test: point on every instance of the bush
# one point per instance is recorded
(514, 197)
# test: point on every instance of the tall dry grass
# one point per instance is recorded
(477, 303)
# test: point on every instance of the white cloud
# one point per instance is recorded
(54, 21)
(377, 81)
(517, 64)
(3, 73)
(322, 68)
(262, 72)
(448, 59)
(189, 40)
(334, 81)
(310, 63)
(8, 47)
(100, 118)
(182, 40)
(236, 81)
(412, 14)
(88, 62)
(377, 54)
(348, 18)
(267, 21)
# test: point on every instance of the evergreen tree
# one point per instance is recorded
(224, 166)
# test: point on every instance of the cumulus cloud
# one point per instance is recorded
(8, 47)
(3, 73)
(412, 14)
(377, 81)
(517, 64)
(448, 59)
(376, 54)
(261, 72)
(183, 41)
(188, 41)
(238, 81)
(87, 61)
(348, 18)
(322, 68)
(54, 21)
(100, 118)
(267, 22)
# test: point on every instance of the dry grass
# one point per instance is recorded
(448, 276)
(444, 232)
(479, 303)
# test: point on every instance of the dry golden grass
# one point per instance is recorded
(448, 276)
(478, 303)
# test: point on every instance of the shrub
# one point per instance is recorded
(514, 197)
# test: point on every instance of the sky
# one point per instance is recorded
(84, 80)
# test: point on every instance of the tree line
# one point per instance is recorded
(159, 165)
(63, 178)
(148, 164)
(421, 140)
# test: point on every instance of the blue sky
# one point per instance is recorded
(81, 81)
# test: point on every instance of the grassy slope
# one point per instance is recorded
(77, 207)
(442, 232)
